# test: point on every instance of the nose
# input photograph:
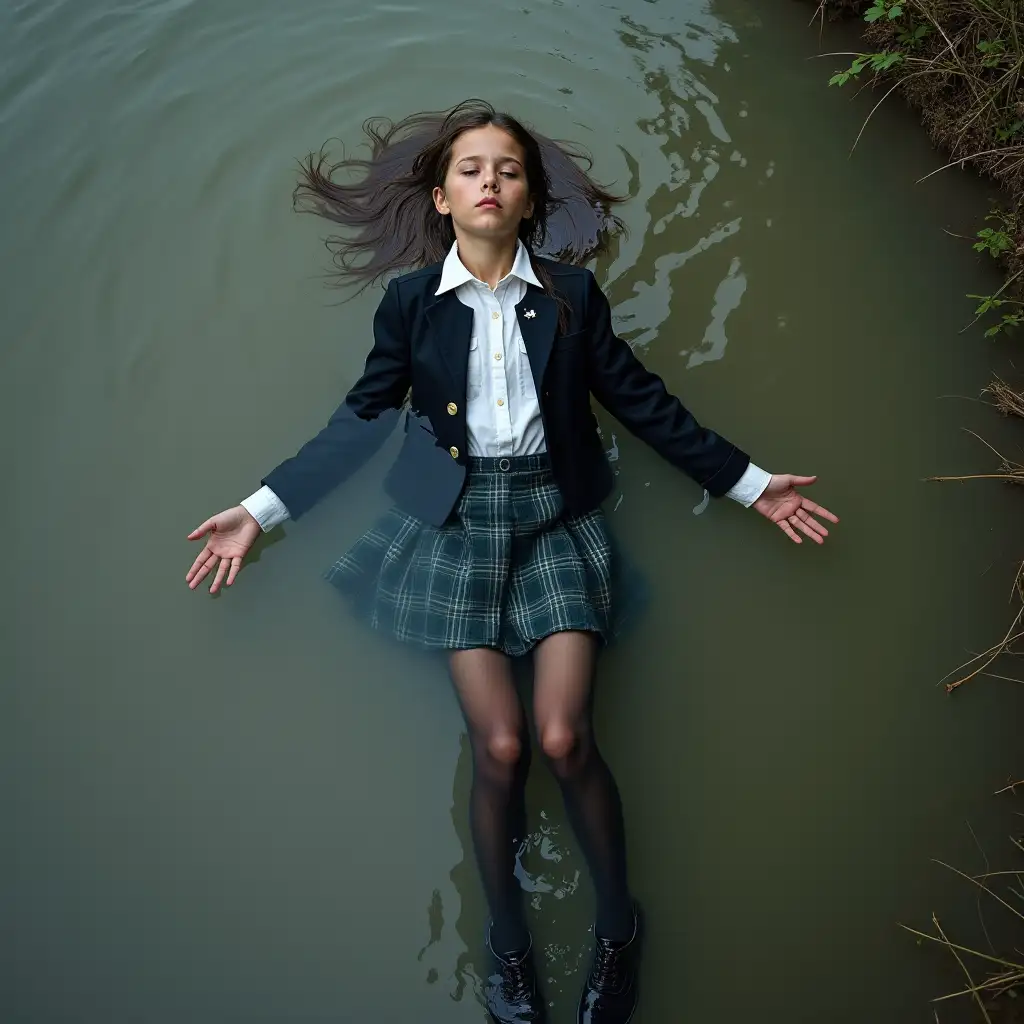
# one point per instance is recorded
(489, 180)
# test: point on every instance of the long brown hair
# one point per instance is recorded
(385, 201)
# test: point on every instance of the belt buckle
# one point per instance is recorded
(504, 465)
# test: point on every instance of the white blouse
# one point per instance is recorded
(502, 410)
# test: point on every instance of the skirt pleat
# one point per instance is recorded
(508, 569)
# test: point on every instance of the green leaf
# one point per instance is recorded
(840, 78)
(914, 38)
(993, 242)
(884, 61)
(895, 12)
(874, 14)
(993, 331)
(1005, 134)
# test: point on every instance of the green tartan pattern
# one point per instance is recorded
(507, 570)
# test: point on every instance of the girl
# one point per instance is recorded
(496, 546)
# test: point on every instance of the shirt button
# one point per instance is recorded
(495, 315)
(501, 401)
(497, 355)
(454, 452)
(452, 408)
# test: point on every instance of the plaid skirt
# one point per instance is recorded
(507, 569)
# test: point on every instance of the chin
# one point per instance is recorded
(490, 227)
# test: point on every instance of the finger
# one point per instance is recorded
(818, 510)
(204, 571)
(203, 529)
(789, 531)
(236, 565)
(806, 530)
(811, 522)
(222, 569)
(200, 561)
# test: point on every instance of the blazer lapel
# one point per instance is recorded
(538, 321)
(451, 327)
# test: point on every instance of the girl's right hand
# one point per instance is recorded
(231, 534)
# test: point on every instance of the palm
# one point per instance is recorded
(229, 535)
(782, 504)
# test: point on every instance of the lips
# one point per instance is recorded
(489, 204)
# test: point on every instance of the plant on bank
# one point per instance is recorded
(962, 62)
(998, 242)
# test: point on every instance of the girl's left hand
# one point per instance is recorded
(790, 511)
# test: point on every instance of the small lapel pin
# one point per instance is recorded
(529, 314)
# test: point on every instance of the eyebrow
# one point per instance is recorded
(501, 160)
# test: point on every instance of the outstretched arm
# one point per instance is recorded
(355, 429)
(641, 402)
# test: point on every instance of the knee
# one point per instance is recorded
(559, 742)
(505, 749)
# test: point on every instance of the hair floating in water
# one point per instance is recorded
(385, 204)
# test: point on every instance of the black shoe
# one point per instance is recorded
(610, 994)
(511, 992)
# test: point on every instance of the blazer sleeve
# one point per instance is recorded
(360, 425)
(640, 401)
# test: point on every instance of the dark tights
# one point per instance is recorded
(563, 698)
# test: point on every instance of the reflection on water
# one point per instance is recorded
(246, 809)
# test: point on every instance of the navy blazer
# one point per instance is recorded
(421, 343)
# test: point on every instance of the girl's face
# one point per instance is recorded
(485, 188)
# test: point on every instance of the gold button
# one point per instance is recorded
(452, 408)
(495, 315)
(497, 355)
(501, 401)
(454, 452)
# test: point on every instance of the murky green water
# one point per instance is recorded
(243, 809)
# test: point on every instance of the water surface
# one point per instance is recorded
(244, 809)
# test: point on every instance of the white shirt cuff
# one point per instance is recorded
(750, 486)
(268, 509)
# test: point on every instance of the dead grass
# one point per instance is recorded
(1004, 398)
(993, 981)
(1011, 403)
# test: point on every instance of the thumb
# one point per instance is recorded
(208, 527)
(802, 481)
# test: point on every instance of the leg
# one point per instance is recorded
(501, 759)
(563, 697)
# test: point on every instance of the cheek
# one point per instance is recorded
(522, 194)
(458, 191)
